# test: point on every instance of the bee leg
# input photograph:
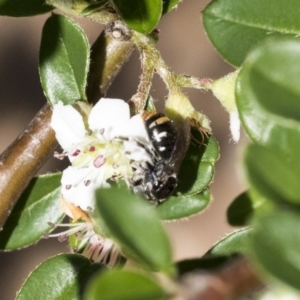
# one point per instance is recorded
(204, 132)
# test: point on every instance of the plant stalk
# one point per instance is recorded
(23, 158)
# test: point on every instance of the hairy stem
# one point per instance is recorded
(139, 99)
(152, 59)
(108, 56)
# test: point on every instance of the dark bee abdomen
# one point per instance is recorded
(161, 132)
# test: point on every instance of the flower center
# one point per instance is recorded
(102, 154)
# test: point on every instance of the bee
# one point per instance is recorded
(157, 179)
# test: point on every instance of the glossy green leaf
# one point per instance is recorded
(141, 15)
(275, 244)
(135, 225)
(268, 94)
(196, 173)
(240, 210)
(23, 8)
(169, 5)
(197, 168)
(28, 221)
(124, 285)
(235, 27)
(61, 277)
(273, 174)
(235, 242)
(177, 207)
(64, 60)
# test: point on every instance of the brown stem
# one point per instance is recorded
(234, 281)
(108, 56)
(23, 158)
(139, 99)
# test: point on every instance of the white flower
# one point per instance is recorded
(90, 244)
(235, 125)
(95, 152)
(110, 146)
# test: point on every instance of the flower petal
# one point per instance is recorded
(109, 116)
(136, 130)
(235, 125)
(68, 126)
(79, 185)
(136, 152)
(138, 140)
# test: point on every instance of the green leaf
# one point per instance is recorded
(235, 242)
(196, 173)
(141, 15)
(235, 27)
(177, 207)
(130, 285)
(275, 244)
(23, 8)
(28, 221)
(64, 60)
(136, 227)
(197, 168)
(169, 5)
(273, 174)
(268, 95)
(61, 277)
(240, 210)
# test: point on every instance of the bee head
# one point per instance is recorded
(163, 188)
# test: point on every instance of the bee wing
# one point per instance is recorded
(182, 143)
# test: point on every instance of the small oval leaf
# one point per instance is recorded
(235, 27)
(273, 174)
(240, 210)
(177, 207)
(275, 244)
(233, 243)
(169, 5)
(130, 285)
(136, 227)
(60, 277)
(141, 15)
(64, 60)
(28, 221)
(23, 8)
(268, 95)
(197, 168)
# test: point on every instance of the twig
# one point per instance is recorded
(234, 281)
(23, 158)
(108, 55)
